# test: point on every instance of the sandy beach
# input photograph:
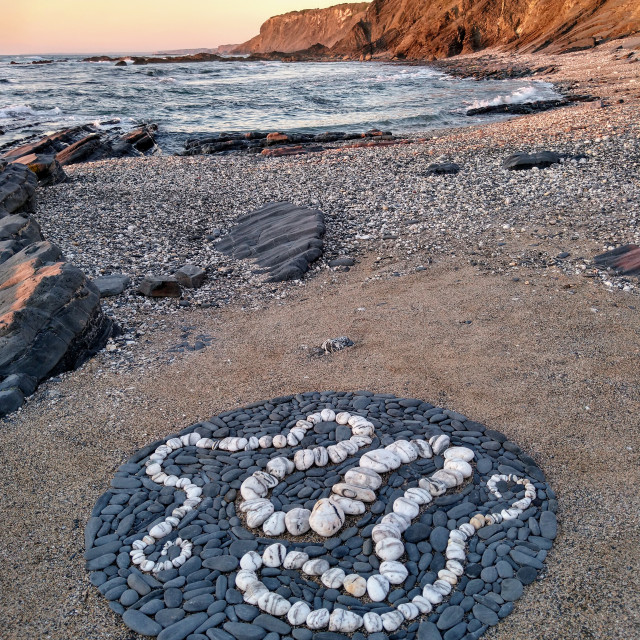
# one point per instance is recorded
(457, 297)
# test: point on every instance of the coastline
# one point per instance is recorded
(534, 349)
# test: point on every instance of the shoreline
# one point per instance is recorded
(435, 305)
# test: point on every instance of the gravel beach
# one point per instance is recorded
(474, 291)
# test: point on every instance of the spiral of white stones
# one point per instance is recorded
(387, 534)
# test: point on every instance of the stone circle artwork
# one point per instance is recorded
(321, 516)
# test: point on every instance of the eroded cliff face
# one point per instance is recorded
(302, 29)
(441, 28)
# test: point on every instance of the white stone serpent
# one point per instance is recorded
(328, 517)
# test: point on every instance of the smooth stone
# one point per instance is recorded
(221, 563)
(181, 629)
(450, 617)
(428, 631)
(140, 623)
(485, 615)
(511, 589)
(527, 575)
(273, 624)
(243, 631)
(548, 525)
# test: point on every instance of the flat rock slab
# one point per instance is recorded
(160, 287)
(190, 276)
(112, 285)
(625, 260)
(282, 238)
(50, 315)
(443, 169)
(523, 161)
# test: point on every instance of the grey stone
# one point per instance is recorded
(439, 538)
(111, 285)
(450, 617)
(485, 615)
(511, 589)
(167, 617)
(221, 563)
(548, 525)
(242, 631)
(190, 276)
(270, 623)
(181, 629)
(522, 161)
(198, 603)
(524, 560)
(443, 168)
(141, 623)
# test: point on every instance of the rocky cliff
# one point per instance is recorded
(302, 29)
(441, 28)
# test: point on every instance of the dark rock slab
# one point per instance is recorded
(282, 238)
(111, 285)
(190, 276)
(17, 189)
(524, 161)
(160, 287)
(624, 260)
(50, 314)
(442, 169)
(519, 108)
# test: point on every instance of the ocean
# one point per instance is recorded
(186, 100)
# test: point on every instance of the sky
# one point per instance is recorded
(98, 26)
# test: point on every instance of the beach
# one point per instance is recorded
(461, 295)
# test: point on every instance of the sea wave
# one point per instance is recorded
(519, 96)
(25, 110)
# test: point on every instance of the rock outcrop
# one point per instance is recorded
(419, 29)
(282, 238)
(47, 156)
(300, 30)
(50, 314)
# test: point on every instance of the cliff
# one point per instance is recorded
(302, 29)
(440, 28)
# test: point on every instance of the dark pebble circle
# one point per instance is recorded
(199, 598)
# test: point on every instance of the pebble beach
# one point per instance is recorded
(476, 292)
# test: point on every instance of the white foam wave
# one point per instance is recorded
(22, 111)
(530, 93)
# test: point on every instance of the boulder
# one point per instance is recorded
(16, 233)
(17, 189)
(46, 167)
(160, 287)
(282, 238)
(190, 276)
(50, 315)
(523, 161)
(112, 285)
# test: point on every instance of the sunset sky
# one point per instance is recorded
(88, 26)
